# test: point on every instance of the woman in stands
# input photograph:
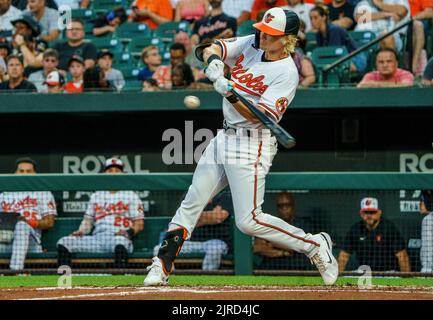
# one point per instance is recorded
(191, 10)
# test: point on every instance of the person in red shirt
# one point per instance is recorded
(264, 5)
(421, 9)
(76, 69)
(388, 74)
(151, 12)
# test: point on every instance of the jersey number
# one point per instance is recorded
(121, 221)
(30, 215)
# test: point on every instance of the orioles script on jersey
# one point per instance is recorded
(254, 83)
(17, 206)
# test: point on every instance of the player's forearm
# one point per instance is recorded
(86, 225)
(45, 223)
(403, 261)
(211, 50)
(138, 226)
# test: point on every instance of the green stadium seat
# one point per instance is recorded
(88, 29)
(138, 44)
(83, 14)
(104, 5)
(311, 41)
(129, 72)
(324, 56)
(132, 85)
(165, 57)
(122, 58)
(246, 28)
(133, 30)
(167, 31)
(112, 44)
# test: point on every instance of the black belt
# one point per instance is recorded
(243, 131)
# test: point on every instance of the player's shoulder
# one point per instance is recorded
(239, 40)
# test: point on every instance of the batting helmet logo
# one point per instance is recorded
(269, 17)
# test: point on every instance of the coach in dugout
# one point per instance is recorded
(375, 241)
(24, 215)
(116, 217)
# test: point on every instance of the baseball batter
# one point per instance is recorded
(37, 211)
(263, 71)
(115, 216)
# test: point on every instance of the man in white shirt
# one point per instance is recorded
(7, 14)
(239, 9)
(302, 10)
(48, 19)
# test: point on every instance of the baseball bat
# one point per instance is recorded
(282, 135)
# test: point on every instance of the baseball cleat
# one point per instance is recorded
(156, 275)
(324, 260)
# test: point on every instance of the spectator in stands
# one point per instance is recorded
(153, 13)
(387, 73)
(55, 82)
(421, 10)
(211, 235)
(109, 21)
(269, 256)
(48, 19)
(117, 217)
(5, 50)
(94, 80)
(151, 60)
(32, 212)
(215, 26)
(332, 35)
(49, 63)
(181, 76)
(375, 241)
(238, 9)
(149, 85)
(22, 4)
(7, 14)
(341, 14)
(381, 16)
(261, 6)
(177, 56)
(25, 42)
(191, 10)
(16, 82)
(76, 46)
(183, 38)
(303, 10)
(113, 76)
(426, 209)
(427, 78)
(305, 70)
(76, 69)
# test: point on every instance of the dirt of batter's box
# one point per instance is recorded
(220, 293)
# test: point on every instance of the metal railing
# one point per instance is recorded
(401, 25)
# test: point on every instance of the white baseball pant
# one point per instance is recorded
(426, 254)
(242, 163)
(24, 240)
(99, 243)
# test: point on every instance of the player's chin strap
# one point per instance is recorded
(256, 44)
(170, 248)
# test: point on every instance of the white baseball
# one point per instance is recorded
(191, 102)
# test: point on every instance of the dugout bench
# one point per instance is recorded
(140, 258)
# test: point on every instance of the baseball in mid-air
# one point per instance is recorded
(191, 102)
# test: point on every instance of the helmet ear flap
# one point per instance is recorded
(257, 40)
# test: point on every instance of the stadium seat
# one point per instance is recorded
(324, 56)
(311, 41)
(88, 29)
(133, 30)
(104, 5)
(122, 57)
(246, 28)
(167, 31)
(132, 85)
(129, 72)
(83, 14)
(112, 44)
(138, 44)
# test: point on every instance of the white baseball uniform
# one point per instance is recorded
(32, 206)
(111, 213)
(241, 161)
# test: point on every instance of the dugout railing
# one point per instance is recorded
(328, 200)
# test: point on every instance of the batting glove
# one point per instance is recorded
(215, 70)
(223, 86)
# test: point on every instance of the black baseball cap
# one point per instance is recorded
(103, 53)
(77, 58)
(30, 22)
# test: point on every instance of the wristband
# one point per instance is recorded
(33, 223)
(213, 57)
(232, 99)
(130, 233)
